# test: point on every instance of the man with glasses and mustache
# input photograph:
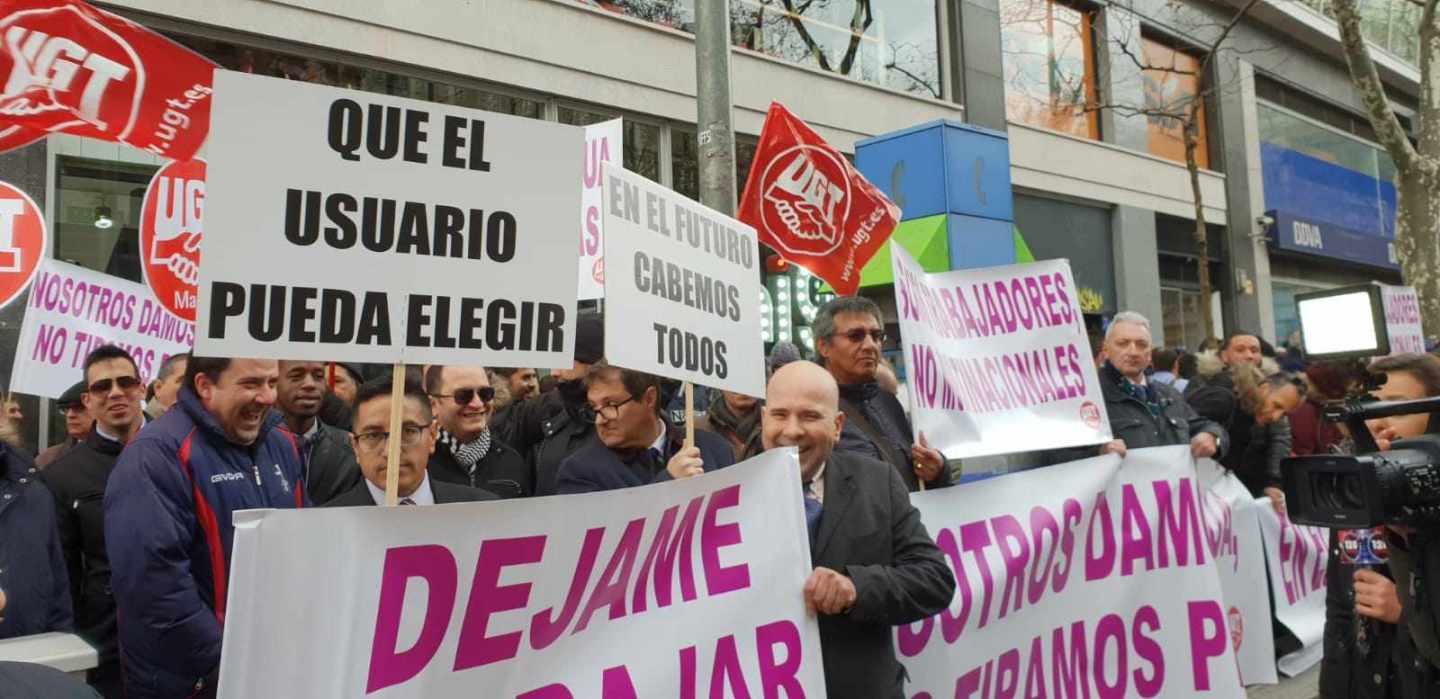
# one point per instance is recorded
(77, 424)
(417, 444)
(467, 452)
(848, 336)
(635, 445)
(330, 466)
(112, 399)
(169, 505)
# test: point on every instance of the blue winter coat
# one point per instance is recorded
(32, 565)
(168, 509)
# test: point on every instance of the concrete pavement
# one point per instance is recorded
(1306, 686)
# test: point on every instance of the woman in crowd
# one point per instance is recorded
(1368, 649)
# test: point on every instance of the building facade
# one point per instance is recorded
(1098, 176)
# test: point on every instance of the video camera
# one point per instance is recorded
(1370, 488)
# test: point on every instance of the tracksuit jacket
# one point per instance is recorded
(172, 495)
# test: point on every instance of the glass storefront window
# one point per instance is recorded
(642, 141)
(1172, 84)
(685, 162)
(1393, 25)
(1184, 323)
(1049, 65)
(97, 214)
(893, 43)
(282, 65)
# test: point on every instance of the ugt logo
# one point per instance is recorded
(806, 200)
(54, 77)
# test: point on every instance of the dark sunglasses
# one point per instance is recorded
(858, 335)
(465, 395)
(126, 383)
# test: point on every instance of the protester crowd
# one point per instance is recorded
(123, 527)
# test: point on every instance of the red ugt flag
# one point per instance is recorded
(812, 206)
(72, 68)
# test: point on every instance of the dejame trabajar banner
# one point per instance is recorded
(810, 205)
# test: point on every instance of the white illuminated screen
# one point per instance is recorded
(1336, 324)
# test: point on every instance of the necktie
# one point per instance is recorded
(813, 509)
(406, 501)
(654, 460)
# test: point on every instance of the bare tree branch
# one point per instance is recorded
(860, 23)
(1372, 91)
(799, 24)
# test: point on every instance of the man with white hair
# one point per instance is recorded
(1146, 413)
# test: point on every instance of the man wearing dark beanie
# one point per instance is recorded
(549, 427)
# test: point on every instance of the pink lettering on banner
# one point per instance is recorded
(488, 596)
(713, 537)
(991, 309)
(664, 556)
(596, 151)
(1209, 638)
(988, 384)
(1302, 559)
(545, 626)
(1117, 657)
(435, 565)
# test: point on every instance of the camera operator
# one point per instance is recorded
(1407, 604)
(1252, 406)
(1368, 651)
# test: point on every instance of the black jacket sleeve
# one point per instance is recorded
(1201, 424)
(916, 584)
(1215, 403)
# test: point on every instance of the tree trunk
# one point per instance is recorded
(1417, 168)
(1202, 241)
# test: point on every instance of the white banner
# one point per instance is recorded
(1092, 578)
(1296, 556)
(362, 227)
(998, 358)
(1232, 528)
(670, 590)
(73, 310)
(604, 143)
(1402, 319)
(683, 287)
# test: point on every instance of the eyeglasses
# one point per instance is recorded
(858, 335)
(71, 408)
(463, 396)
(609, 412)
(126, 383)
(374, 442)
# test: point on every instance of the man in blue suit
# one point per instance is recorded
(636, 445)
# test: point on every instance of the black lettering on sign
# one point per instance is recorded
(500, 324)
(682, 349)
(274, 312)
(415, 135)
(382, 135)
(453, 149)
(346, 121)
(424, 229)
(624, 199)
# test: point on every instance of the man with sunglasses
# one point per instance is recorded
(635, 446)
(417, 444)
(112, 398)
(330, 466)
(848, 336)
(467, 452)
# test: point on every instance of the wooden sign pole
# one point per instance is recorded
(689, 414)
(392, 445)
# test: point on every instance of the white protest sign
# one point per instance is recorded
(1092, 578)
(999, 359)
(1232, 528)
(674, 589)
(604, 143)
(682, 285)
(361, 227)
(1402, 319)
(1296, 556)
(73, 310)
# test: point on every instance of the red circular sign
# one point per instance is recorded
(172, 223)
(1090, 413)
(806, 199)
(22, 242)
